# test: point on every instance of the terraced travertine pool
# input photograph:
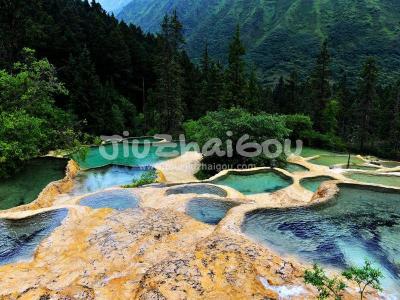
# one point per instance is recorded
(25, 186)
(197, 189)
(358, 224)
(209, 210)
(127, 155)
(331, 160)
(313, 183)
(357, 167)
(94, 180)
(115, 199)
(295, 168)
(384, 179)
(267, 181)
(19, 238)
(390, 164)
(309, 152)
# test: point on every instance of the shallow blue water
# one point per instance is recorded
(312, 184)
(118, 200)
(19, 238)
(94, 180)
(208, 210)
(359, 224)
(250, 184)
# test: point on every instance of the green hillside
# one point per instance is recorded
(285, 34)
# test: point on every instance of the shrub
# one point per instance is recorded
(326, 286)
(147, 178)
(238, 122)
(366, 276)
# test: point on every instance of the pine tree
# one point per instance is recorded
(204, 99)
(292, 99)
(278, 96)
(395, 122)
(321, 90)
(168, 93)
(346, 107)
(236, 80)
(191, 87)
(254, 92)
(85, 86)
(366, 101)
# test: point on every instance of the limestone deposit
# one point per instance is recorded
(157, 251)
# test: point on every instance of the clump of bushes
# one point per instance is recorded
(365, 277)
(148, 177)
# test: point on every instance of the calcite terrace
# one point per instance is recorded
(156, 251)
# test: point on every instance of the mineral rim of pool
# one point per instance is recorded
(360, 223)
(19, 238)
(255, 183)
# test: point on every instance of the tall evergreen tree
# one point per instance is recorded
(168, 93)
(278, 96)
(367, 99)
(85, 86)
(292, 99)
(321, 89)
(254, 92)
(236, 80)
(345, 106)
(191, 87)
(395, 122)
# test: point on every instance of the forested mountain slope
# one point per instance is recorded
(113, 6)
(285, 34)
(101, 61)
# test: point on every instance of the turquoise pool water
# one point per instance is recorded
(358, 224)
(390, 164)
(94, 180)
(26, 185)
(257, 183)
(309, 152)
(376, 179)
(312, 184)
(19, 238)
(118, 200)
(128, 154)
(330, 160)
(295, 168)
(357, 167)
(197, 189)
(209, 210)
